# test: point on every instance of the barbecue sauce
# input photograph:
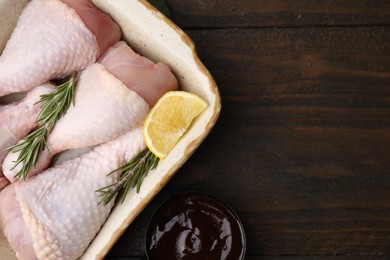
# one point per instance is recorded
(195, 226)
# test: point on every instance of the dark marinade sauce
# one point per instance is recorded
(195, 226)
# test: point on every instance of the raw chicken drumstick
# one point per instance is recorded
(104, 106)
(149, 80)
(52, 39)
(16, 120)
(55, 215)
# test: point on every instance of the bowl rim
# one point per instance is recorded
(202, 194)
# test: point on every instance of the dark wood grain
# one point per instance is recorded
(302, 147)
(284, 13)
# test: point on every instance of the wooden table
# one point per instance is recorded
(301, 150)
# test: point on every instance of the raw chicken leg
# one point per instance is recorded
(149, 80)
(16, 120)
(100, 24)
(55, 215)
(52, 40)
(105, 108)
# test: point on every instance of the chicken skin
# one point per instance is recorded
(105, 106)
(52, 40)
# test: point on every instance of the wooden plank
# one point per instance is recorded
(302, 148)
(311, 258)
(283, 13)
(308, 112)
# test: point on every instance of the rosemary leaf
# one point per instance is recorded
(132, 174)
(53, 106)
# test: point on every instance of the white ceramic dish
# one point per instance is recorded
(154, 36)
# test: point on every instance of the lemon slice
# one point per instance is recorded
(169, 119)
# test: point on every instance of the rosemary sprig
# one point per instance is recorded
(132, 174)
(53, 106)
